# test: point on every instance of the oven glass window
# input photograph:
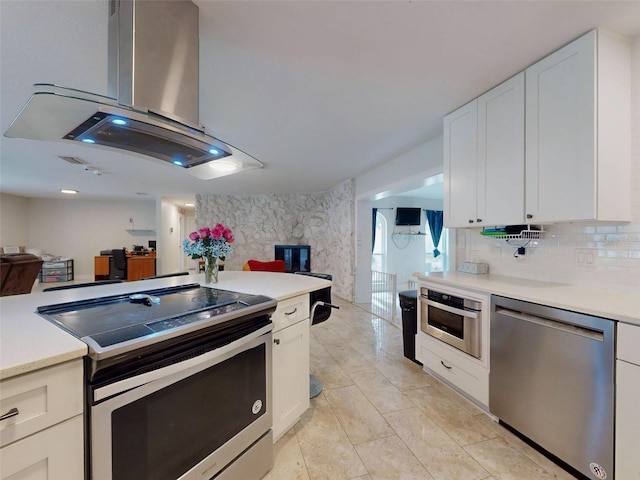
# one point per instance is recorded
(163, 435)
(448, 322)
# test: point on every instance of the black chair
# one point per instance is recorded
(79, 285)
(166, 275)
(118, 265)
(320, 301)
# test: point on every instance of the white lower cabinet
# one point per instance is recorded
(456, 368)
(56, 453)
(627, 401)
(290, 363)
(42, 438)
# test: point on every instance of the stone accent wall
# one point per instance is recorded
(323, 220)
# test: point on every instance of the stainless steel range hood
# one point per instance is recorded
(151, 107)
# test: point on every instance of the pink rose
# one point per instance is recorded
(194, 236)
(218, 231)
(204, 232)
(228, 235)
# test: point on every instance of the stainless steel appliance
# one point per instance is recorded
(455, 320)
(552, 380)
(178, 383)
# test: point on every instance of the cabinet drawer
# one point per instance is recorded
(56, 453)
(43, 398)
(290, 311)
(466, 376)
(628, 341)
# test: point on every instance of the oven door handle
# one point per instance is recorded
(192, 363)
(447, 308)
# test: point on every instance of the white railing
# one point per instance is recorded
(383, 295)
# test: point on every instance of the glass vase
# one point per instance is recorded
(210, 270)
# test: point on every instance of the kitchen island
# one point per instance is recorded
(41, 367)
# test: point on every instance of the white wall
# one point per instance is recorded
(405, 253)
(79, 229)
(169, 238)
(14, 212)
(615, 248)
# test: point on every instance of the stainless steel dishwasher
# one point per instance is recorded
(552, 380)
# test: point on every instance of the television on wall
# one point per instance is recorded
(297, 258)
(408, 216)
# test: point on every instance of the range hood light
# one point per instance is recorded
(119, 121)
(223, 166)
(214, 151)
(178, 162)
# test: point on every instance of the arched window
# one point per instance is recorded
(379, 255)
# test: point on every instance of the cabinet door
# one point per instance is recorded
(290, 376)
(460, 166)
(627, 420)
(55, 453)
(500, 182)
(560, 136)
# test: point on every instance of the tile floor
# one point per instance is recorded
(380, 417)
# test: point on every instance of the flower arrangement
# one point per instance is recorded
(211, 244)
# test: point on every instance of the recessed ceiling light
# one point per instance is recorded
(68, 191)
(189, 204)
(223, 165)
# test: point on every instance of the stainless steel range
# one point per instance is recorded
(178, 383)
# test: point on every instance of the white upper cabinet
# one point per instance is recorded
(578, 132)
(501, 154)
(460, 166)
(484, 159)
(572, 112)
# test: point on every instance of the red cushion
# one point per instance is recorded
(273, 266)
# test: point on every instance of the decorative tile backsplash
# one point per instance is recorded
(322, 220)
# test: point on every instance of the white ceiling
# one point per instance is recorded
(320, 91)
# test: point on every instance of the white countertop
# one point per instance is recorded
(622, 307)
(29, 342)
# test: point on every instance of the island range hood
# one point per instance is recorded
(151, 107)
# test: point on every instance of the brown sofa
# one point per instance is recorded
(18, 273)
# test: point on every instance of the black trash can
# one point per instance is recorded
(409, 305)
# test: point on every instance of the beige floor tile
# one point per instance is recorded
(403, 373)
(327, 451)
(348, 359)
(380, 391)
(441, 456)
(390, 459)
(288, 462)
(359, 418)
(326, 369)
(552, 468)
(505, 462)
(449, 416)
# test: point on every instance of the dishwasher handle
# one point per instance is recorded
(570, 328)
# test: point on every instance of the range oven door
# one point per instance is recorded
(185, 421)
(454, 326)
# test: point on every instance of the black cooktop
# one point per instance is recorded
(107, 321)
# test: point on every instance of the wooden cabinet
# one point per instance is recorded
(578, 132)
(627, 401)
(290, 363)
(576, 163)
(484, 159)
(44, 439)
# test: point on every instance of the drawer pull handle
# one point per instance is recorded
(11, 413)
(448, 367)
(276, 341)
(291, 313)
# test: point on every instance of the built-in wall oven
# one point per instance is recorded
(178, 383)
(452, 319)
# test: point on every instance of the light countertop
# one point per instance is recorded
(29, 342)
(623, 307)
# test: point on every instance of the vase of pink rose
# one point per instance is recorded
(212, 245)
